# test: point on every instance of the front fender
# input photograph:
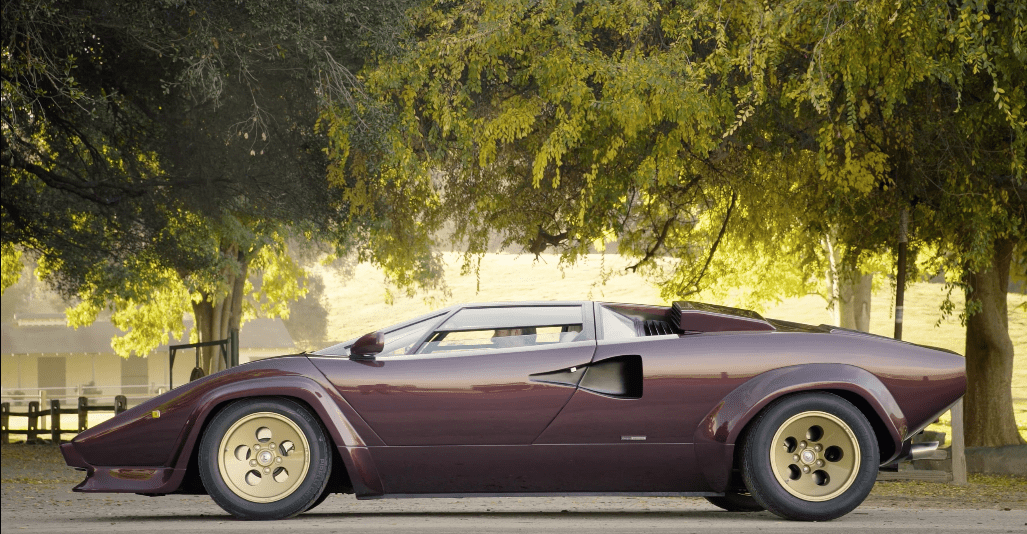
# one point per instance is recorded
(718, 432)
(153, 442)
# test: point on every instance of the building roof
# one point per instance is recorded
(49, 334)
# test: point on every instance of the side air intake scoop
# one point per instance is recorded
(693, 317)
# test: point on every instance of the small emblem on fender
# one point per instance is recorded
(632, 438)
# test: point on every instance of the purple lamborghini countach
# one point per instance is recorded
(541, 398)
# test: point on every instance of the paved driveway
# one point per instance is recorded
(53, 508)
(36, 496)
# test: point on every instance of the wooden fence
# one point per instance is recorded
(35, 414)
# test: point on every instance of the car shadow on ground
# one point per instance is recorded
(499, 514)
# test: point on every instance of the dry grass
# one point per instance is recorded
(36, 464)
(356, 304)
(982, 493)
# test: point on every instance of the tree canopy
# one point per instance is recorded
(157, 153)
(719, 143)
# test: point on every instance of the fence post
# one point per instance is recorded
(5, 416)
(120, 404)
(958, 449)
(33, 421)
(234, 344)
(83, 413)
(55, 421)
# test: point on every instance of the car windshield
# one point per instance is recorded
(402, 340)
(398, 339)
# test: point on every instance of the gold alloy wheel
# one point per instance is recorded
(263, 457)
(815, 456)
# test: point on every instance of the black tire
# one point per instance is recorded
(826, 455)
(295, 479)
(324, 496)
(736, 502)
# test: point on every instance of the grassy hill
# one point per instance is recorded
(356, 302)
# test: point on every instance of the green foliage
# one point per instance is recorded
(149, 311)
(544, 121)
(149, 302)
(11, 257)
(718, 143)
(567, 124)
(281, 282)
(393, 208)
(722, 142)
(156, 154)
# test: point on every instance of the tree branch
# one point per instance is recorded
(716, 243)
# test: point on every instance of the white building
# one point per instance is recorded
(39, 351)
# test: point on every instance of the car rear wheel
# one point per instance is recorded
(811, 457)
(265, 459)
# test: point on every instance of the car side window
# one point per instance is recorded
(500, 338)
(616, 325)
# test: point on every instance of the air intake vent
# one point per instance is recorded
(658, 328)
(701, 317)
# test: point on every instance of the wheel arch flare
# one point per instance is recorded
(725, 424)
(151, 448)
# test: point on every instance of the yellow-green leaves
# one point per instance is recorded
(514, 122)
(281, 280)
(11, 266)
(717, 142)
(148, 312)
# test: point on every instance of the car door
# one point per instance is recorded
(468, 384)
(630, 435)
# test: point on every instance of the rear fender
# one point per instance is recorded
(719, 431)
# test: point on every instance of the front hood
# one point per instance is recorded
(147, 434)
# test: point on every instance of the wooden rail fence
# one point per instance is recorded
(34, 414)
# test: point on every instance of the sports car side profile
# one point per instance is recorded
(526, 398)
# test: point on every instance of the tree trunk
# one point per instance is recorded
(988, 417)
(849, 291)
(852, 310)
(203, 317)
(215, 319)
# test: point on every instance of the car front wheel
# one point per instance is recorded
(265, 459)
(811, 457)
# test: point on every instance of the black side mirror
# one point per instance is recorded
(367, 346)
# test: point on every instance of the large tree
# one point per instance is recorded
(930, 100)
(722, 143)
(156, 154)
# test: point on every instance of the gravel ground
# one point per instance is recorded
(37, 497)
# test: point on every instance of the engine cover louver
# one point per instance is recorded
(658, 328)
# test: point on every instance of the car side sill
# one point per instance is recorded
(543, 494)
